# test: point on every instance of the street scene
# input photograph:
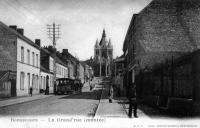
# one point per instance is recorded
(110, 59)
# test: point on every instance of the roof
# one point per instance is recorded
(129, 29)
(103, 42)
(23, 37)
(60, 62)
(44, 69)
(46, 51)
(169, 25)
(119, 59)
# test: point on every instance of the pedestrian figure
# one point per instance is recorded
(47, 90)
(31, 91)
(132, 100)
(110, 94)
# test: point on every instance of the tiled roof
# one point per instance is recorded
(23, 37)
(60, 62)
(46, 51)
(119, 59)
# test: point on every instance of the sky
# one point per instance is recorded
(82, 21)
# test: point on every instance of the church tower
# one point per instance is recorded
(103, 56)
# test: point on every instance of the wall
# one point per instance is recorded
(27, 68)
(81, 73)
(43, 83)
(61, 71)
(8, 50)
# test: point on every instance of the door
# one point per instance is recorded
(13, 88)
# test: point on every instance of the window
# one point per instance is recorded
(33, 81)
(51, 81)
(22, 54)
(33, 57)
(37, 60)
(28, 56)
(22, 80)
(36, 81)
(41, 82)
(29, 80)
(44, 82)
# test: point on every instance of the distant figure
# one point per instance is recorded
(110, 94)
(31, 91)
(47, 90)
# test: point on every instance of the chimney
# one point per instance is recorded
(20, 31)
(14, 27)
(65, 51)
(37, 41)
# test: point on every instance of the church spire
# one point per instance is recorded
(104, 33)
(97, 43)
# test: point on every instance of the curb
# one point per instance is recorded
(97, 110)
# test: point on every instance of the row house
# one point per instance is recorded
(76, 68)
(21, 56)
(157, 36)
(47, 59)
(80, 72)
(47, 71)
(61, 69)
(71, 62)
(24, 64)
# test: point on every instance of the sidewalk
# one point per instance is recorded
(106, 109)
(140, 113)
(119, 107)
(18, 100)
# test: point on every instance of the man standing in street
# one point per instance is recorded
(110, 94)
(132, 100)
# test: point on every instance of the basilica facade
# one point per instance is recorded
(103, 56)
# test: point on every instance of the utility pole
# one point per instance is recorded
(54, 34)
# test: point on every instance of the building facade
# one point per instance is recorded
(80, 72)
(103, 56)
(160, 48)
(20, 55)
(47, 73)
(118, 77)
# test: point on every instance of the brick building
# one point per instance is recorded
(119, 78)
(156, 47)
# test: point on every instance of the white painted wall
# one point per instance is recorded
(43, 81)
(51, 61)
(27, 68)
(61, 71)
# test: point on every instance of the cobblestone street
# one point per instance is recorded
(82, 104)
